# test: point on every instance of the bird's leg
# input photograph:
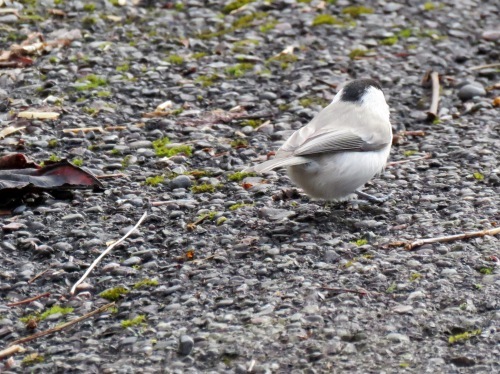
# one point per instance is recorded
(374, 199)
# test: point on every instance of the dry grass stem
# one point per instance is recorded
(94, 264)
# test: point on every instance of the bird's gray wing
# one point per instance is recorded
(334, 130)
(337, 141)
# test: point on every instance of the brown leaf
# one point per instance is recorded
(10, 130)
(60, 176)
(16, 161)
(57, 12)
(35, 44)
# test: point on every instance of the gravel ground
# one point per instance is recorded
(230, 275)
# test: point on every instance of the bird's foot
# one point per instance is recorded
(374, 199)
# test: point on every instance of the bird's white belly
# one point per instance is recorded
(336, 176)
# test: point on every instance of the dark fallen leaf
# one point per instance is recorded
(463, 361)
(61, 176)
(16, 161)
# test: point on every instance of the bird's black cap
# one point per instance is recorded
(354, 90)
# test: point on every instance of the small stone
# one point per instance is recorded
(163, 290)
(272, 214)
(402, 309)
(225, 302)
(19, 210)
(134, 260)
(471, 90)
(128, 341)
(491, 35)
(398, 338)
(186, 344)
(449, 272)
(10, 18)
(72, 217)
(181, 181)
(141, 144)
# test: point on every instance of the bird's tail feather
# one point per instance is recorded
(277, 163)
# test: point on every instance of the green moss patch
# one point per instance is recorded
(137, 321)
(326, 19)
(154, 181)
(460, 338)
(91, 82)
(239, 206)
(389, 41)
(175, 59)
(356, 11)
(146, 283)
(203, 188)
(237, 4)
(361, 242)
(163, 148)
(239, 70)
(239, 176)
(113, 294)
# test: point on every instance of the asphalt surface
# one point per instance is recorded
(232, 273)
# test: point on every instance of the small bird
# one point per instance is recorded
(342, 148)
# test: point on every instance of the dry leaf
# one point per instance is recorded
(8, 11)
(84, 129)
(57, 12)
(60, 176)
(10, 130)
(496, 101)
(35, 44)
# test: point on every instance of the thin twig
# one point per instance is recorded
(192, 225)
(331, 85)
(204, 259)
(427, 156)
(445, 239)
(12, 350)
(250, 368)
(94, 264)
(26, 301)
(37, 276)
(109, 176)
(169, 202)
(433, 111)
(487, 66)
(84, 129)
(110, 128)
(63, 326)
(412, 133)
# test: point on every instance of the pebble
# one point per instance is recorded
(470, 91)
(181, 181)
(186, 344)
(72, 217)
(398, 338)
(275, 214)
(131, 261)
